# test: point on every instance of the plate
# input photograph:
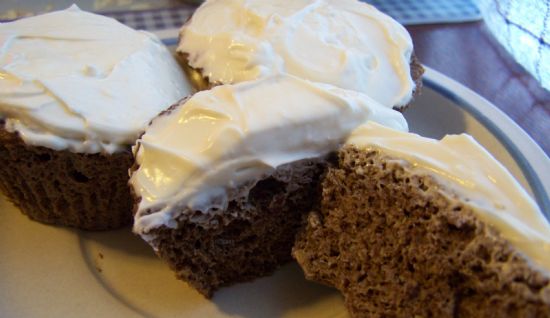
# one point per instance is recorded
(49, 271)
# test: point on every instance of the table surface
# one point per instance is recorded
(468, 53)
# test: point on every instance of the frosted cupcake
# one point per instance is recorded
(409, 226)
(349, 44)
(224, 206)
(76, 90)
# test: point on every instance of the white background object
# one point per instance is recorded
(523, 28)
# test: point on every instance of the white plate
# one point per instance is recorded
(48, 271)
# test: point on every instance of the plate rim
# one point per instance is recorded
(527, 154)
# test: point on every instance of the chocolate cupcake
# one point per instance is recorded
(224, 205)
(414, 227)
(76, 90)
(348, 44)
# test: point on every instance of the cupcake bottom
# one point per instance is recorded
(85, 191)
(252, 238)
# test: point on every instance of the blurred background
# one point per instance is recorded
(11, 9)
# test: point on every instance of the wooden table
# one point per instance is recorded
(468, 53)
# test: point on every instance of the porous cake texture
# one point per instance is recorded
(87, 191)
(397, 243)
(251, 238)
(416, 73)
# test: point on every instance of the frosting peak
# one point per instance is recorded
(345, 43)
(84, 82)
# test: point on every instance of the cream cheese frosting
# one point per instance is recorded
(346, 43)
(83, 82)
(220, 141)
(459, 163)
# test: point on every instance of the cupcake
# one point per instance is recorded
(414, 227)
(348, 44)
(224, 206)
(76, 90)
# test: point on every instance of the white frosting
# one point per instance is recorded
(461, 164)
(346, 43)
(84, 82)
(227, 138)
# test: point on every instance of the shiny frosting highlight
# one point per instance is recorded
(83, 82)
(346, 43)
(219, 143)
(460, 164)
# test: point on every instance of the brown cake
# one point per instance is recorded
(86, 191)
(252, 237)
(349, 44)
(224, 206)
(400, 242)
(71, 104)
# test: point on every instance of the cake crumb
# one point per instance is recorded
(97, 262)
